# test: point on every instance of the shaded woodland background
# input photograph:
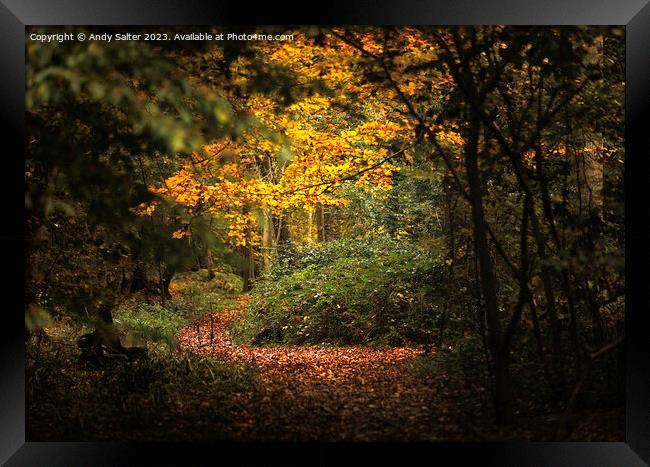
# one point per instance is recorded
(453, 190)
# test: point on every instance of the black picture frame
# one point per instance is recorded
(634, 14)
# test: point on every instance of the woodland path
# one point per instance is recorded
(331, 394)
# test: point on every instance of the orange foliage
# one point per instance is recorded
(299, 155)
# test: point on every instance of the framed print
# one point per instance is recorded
(400, 228)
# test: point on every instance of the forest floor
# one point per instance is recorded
(214, 389)
(319, 393)
(331, 393)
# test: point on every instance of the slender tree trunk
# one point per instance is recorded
(550, 219)
(320, 222)
(310, 224)
(590, 167)
(451, 228)
(167, 277)
(559, 381)
(209, 262)
(502, 383)
(284, 233)
(590, 172)
(248, 272)
(163, 297)
(268, 237)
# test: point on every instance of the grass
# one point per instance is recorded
(193, 297)
(172, 395)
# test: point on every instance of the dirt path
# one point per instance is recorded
(329, 394)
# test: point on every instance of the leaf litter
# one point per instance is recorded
(330, 393)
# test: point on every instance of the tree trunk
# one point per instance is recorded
(268, 237)
(310, 224)
(320, 222)
(589, 167)
(451, 256)
(249, 268)
(559, 380)
(105, 337)
(209, 263)
(138, 280)
(590, 172)
(284, 233)
(502, 384)
(167, 277)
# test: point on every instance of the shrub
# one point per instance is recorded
(375, 290)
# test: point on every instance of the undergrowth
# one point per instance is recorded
(376, 291)
(169, 395)
(193, 297)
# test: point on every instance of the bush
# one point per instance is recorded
(376, 290)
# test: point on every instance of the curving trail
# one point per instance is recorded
(330, 394)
